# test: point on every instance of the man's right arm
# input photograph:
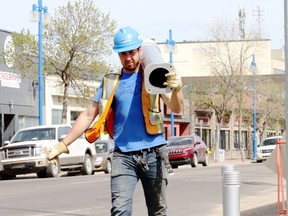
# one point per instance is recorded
(83, 122)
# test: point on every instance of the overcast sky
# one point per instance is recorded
(188, 19)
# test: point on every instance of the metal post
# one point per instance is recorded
(40, 77)
(37, 16)
(286, 85)
(171, 43)
(230, 191)
(253, 66)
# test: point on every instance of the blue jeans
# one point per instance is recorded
(124, 177)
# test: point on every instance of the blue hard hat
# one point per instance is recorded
(126, 39)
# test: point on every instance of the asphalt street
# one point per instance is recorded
(191, 191)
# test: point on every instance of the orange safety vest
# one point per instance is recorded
(150, 107)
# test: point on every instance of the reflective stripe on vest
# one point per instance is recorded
(150, 108)
(109, 82)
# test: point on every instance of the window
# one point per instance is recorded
(268, 142)
(63, 131)
(236, 140)
(181, 141)
(74, 115)
(56, 116)
(224, 139)
(101, 147)
(27, 121)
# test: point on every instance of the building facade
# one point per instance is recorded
(18, 97)
(193, 66)
(78, 98)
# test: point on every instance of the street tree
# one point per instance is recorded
(228, 58)
(76, 45)
(270, 106)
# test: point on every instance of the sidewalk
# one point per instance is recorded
(268, 210)
(256, 207)
(229, 162)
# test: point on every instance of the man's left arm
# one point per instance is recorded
(174, 100)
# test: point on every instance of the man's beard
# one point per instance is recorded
(132, 69)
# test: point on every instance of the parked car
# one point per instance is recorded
(266, 147)
(1, 157)
(104, 154)
(187, 150)
(25, 153)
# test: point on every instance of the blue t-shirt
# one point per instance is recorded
(129, 126)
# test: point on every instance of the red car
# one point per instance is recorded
(187, 150)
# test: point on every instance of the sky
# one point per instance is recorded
(188, 19)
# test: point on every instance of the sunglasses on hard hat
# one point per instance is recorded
(128, 53)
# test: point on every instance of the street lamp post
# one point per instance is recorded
(253, 67)
(36, 16)
(170, 48)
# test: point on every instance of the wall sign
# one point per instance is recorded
(9, 51)
(10, 80)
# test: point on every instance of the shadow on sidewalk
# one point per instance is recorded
(268, 210)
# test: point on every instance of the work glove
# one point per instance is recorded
(173, 80)
(56, 150)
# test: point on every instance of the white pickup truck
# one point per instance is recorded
(25, 153)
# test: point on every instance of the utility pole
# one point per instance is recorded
(242, 16)
(259, 19)
(170, 47)
(253, 67)
(40, 14)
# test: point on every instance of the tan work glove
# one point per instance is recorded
(173, 80)
(56, 150)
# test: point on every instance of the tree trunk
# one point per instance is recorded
(213, 136)
(65, 104)
(216, 155)
(241, 143)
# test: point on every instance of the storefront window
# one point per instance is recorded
(56, 116)
(74, 116)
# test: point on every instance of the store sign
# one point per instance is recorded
(10, 80)
(9, 51)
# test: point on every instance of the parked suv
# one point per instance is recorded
(25, 153)
(265, 149)
(187, 150)
(104, 154)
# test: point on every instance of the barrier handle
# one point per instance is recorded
(280, 141)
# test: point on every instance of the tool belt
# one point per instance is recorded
(140, 152)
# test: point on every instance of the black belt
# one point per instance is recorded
(139, 152)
